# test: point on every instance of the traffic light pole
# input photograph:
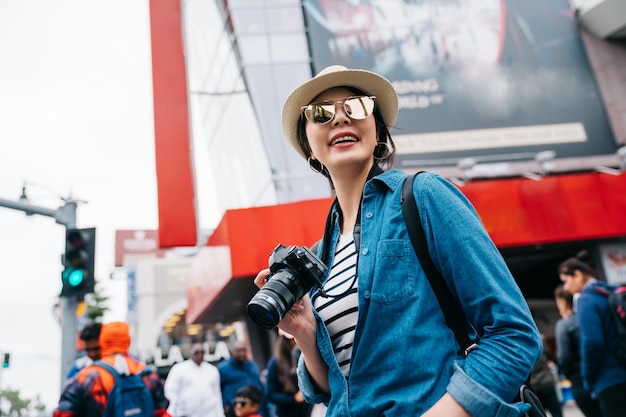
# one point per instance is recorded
(65, 215)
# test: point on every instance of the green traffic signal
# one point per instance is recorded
(7, 360)
(78, 275)
(74, 277)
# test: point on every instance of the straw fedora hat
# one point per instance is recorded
(338, 76)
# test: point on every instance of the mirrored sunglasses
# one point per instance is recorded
(356, 108)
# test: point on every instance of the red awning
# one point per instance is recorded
(560, 208)
(517, 212)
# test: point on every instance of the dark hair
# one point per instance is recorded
(581, 262)
(251, 392)
(561, 293)
(91, 331)
(383, 156)
(285, 365)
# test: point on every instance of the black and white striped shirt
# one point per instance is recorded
(339, 309)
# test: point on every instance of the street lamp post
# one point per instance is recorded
(65, 215)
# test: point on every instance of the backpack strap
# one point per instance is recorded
(455, 318)
(109, 368)
(454, 315)
(600, 290)
(145, 371)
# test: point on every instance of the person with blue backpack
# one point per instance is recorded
(115, 385)
(601, 370)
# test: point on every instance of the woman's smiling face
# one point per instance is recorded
(343, 140)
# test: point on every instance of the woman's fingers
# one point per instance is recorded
(261, 277)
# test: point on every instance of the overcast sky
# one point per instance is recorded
(75, 121)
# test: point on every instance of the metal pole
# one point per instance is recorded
(69, 321)
(65, 215)
(1, 397)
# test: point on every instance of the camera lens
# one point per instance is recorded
(275, 299)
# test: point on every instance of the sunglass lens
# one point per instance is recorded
(358, 108)
(320, 112)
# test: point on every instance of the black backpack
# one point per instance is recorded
(617, 308)
(129, 396)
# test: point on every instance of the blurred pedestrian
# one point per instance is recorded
(248, 401)
(236, 372)
(567, 341)
(602, 374)
(544, 384)
(282, 390)
(89, 337)
(193, 387)
(87, 394)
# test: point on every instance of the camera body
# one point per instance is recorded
(294, 271)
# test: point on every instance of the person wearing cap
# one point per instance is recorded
(86, 394)
(376, 343)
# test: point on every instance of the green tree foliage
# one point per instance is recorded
(13, 405)
(96, 305)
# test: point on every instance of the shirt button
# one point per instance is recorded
(365, 251)
(369, 215)
(366, 294)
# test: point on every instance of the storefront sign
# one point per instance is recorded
(219, 352)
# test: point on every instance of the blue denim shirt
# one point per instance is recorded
(404, 356)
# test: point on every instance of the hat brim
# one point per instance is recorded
(338, 76)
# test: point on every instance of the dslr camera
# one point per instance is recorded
(294, 271)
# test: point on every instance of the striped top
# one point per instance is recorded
(339, 309)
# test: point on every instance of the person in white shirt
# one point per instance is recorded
(193, 387)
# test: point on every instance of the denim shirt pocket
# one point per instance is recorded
(393, 261)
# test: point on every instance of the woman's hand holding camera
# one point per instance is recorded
(300, 316)
(300, 322)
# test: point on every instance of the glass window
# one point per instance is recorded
(255, 4)
(289, 48)
(268, 20)
(288, 19)
(254, 49)
(247, 22)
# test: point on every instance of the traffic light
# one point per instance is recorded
(78, 275)
(7, 360)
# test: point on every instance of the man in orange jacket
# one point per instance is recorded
(86, 394)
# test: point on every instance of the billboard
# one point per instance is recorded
(496, 80)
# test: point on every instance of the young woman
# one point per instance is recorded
(601, 372)
(567, 338)
(374, 340)
(282, 384)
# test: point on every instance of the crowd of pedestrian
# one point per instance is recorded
(587, 344)
(194, 387)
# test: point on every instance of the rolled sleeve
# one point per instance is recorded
(479, 401)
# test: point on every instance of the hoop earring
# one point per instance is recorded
(314, 168)
(387, 153)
